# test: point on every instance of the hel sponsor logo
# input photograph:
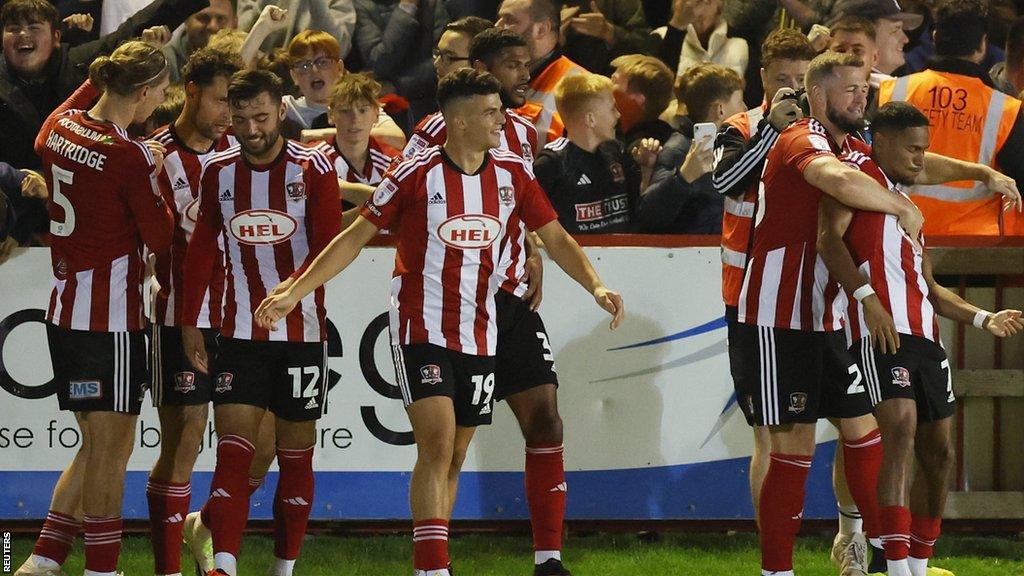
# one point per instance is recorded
(184, 382)
(384, 192)
(469, 231)
(430, 374)
(594, 211)
(506, 195)
(192, 211)
(797, 402)
(85, 390)
(296, 191)
(901, 377)
(261, 227)
(224, 380)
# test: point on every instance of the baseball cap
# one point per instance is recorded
(875, 9)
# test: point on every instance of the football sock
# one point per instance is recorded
(168, 506)
(430, 544)
(895, 528)
(923, 534)
(850, 521)
(228, 505)
(55, 539)
(863, 458)
(254, 485)
(293, 501)
(782, 502)
(102, 544)
(545, 496)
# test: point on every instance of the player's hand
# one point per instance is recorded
(1005, 323)
(700, 159)
(272, 18)
(612, 302)
(534, 277)
(594, 24)
(784, 110)
(999, 183)
(884, 336)
(80, 21)
(34, 185)
(912, 220)
(646, 153)
(157, 150)
(686, 12)
(819, 37)
(7, 246)
(274, 307)
(195, 348)
(156, 35)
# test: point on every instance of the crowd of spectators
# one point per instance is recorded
(658, 68)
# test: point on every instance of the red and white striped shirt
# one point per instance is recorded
(179, 183)
(273, 219)
(786, 284)
(519, 136)
(451, 229)
(884, 254)
(104, 205)
(377, 161)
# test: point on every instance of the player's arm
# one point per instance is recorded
(566, 252)
(80, 98)
(860, 191)
(151, 213)
(949, 304)
(939, 169)
(355, 192)
(201, 257)
(534, 266)
(833, 222)
(323, 210)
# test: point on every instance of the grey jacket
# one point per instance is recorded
(337, 17)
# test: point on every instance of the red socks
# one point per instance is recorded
(863, 458)
(228, 506)
(430, 544)
(204, 513)
(923, 534)
(894, 522)
(782, 504)
(168, 506)
(293, 501)
(102, 543)
(57, 536)
(545, 494)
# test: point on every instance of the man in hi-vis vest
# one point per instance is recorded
(538, 21)
(970, 120)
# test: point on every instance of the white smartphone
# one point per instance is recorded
(704, 130)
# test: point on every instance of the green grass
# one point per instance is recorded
(600, 555)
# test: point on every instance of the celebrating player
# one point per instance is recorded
(275, 204)
(105, 204)
(455, 206)
(894, 334)
(181, 393)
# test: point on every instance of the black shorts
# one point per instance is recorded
(98, 371)
(787, 376)
(919, 370)
(287, 378)
(524, 359)
(175, 381)
(425, 370)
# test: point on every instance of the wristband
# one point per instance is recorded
(863, 292)
(979, 319)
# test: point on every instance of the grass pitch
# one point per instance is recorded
(599, 555)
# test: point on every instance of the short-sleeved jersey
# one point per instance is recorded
(786, 284)
(104, 205)
(452, 228)
(380, 157)
(883, 252)
(179, 184)
(273, 220)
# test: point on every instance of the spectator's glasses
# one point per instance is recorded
(307, 66)
(446, 56)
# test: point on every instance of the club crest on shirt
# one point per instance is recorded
(430, 374)
(296, 191)
(184, 382)
(901, 377)
(224, 380)
(617, 174)
(506, 195)
(797, 402)
(527, 152)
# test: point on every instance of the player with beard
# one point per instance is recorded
(892, 328)
(274, 205)
(181, 394)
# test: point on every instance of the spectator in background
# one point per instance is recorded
(196, 34)
(396, 40)
(681, 198)
(856, 35)
(643, 90)
(592, 181)
(596, 31)
(1008, 76)
(698, 33)
(336, 17)
(18, 188)
(114, 13)
(538, 22)
(890, 22)
(452, 51)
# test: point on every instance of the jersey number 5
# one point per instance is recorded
(65, 228)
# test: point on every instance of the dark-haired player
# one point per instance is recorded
(453, 207)
(274, 204)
